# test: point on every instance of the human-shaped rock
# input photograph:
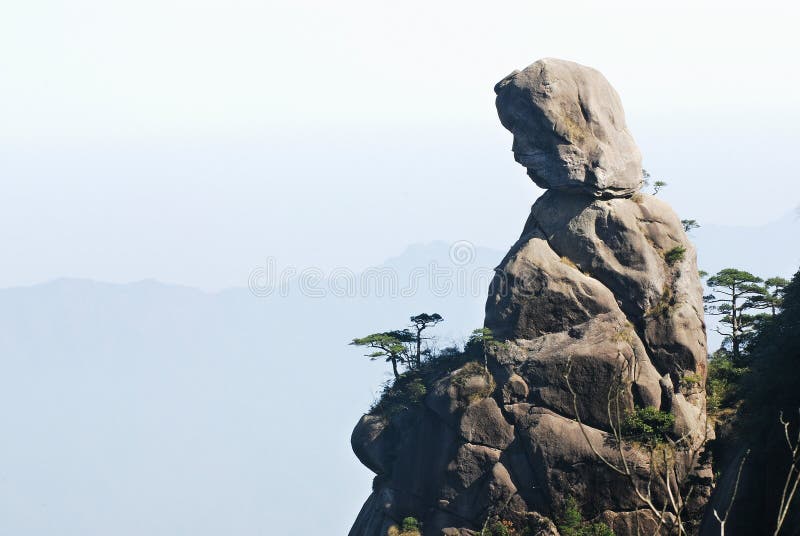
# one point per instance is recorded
(598, 301)
(569, 129)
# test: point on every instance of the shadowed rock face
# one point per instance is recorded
(603, 283)
(569, 129)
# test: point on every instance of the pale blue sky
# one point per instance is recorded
(187, 141)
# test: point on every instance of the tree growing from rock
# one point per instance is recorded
(689, 225)
(733, 293)
(393, 346)
(483, 339)
(401, 347)
(420, 323)
(657, 185)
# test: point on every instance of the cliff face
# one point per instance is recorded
(597, 310)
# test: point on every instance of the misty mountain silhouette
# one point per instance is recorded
(148, 408)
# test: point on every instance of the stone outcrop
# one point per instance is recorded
(598, 312)
(569, 129)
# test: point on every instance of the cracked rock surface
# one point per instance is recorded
(601, 286)
(569, 129)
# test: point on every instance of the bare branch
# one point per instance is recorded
(793, 476)
(724, 518)
(580, 423)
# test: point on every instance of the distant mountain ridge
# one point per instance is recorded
(766, 250)
(147, 408)
(183, 406)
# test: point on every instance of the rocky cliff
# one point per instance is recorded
(592, 390)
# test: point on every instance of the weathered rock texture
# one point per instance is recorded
(603, 286)
(569, 129)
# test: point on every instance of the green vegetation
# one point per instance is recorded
(734, 293)
(773, 355)
(420, 323)
(770, 295)
(391, 345)
(752, 394)
(410, 388)
(499, 528)
(411, 523)
(416, 364)
(503, 527)
(657, 185)
(647, 425)
(482, 341)
(401, 347)
(675, 254)
(399, 395)
(722, 384)
(471, 369)
(758, 364)
(664, 304)
(483, 337)
(689, 381)
(738, 297)
(571, 523)
(689, 225)
(752, 378)
(409, 527)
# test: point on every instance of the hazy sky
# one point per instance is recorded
(190, 140)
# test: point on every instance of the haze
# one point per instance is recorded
(190, 142)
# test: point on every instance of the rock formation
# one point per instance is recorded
(597, 310)
(569, 129)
